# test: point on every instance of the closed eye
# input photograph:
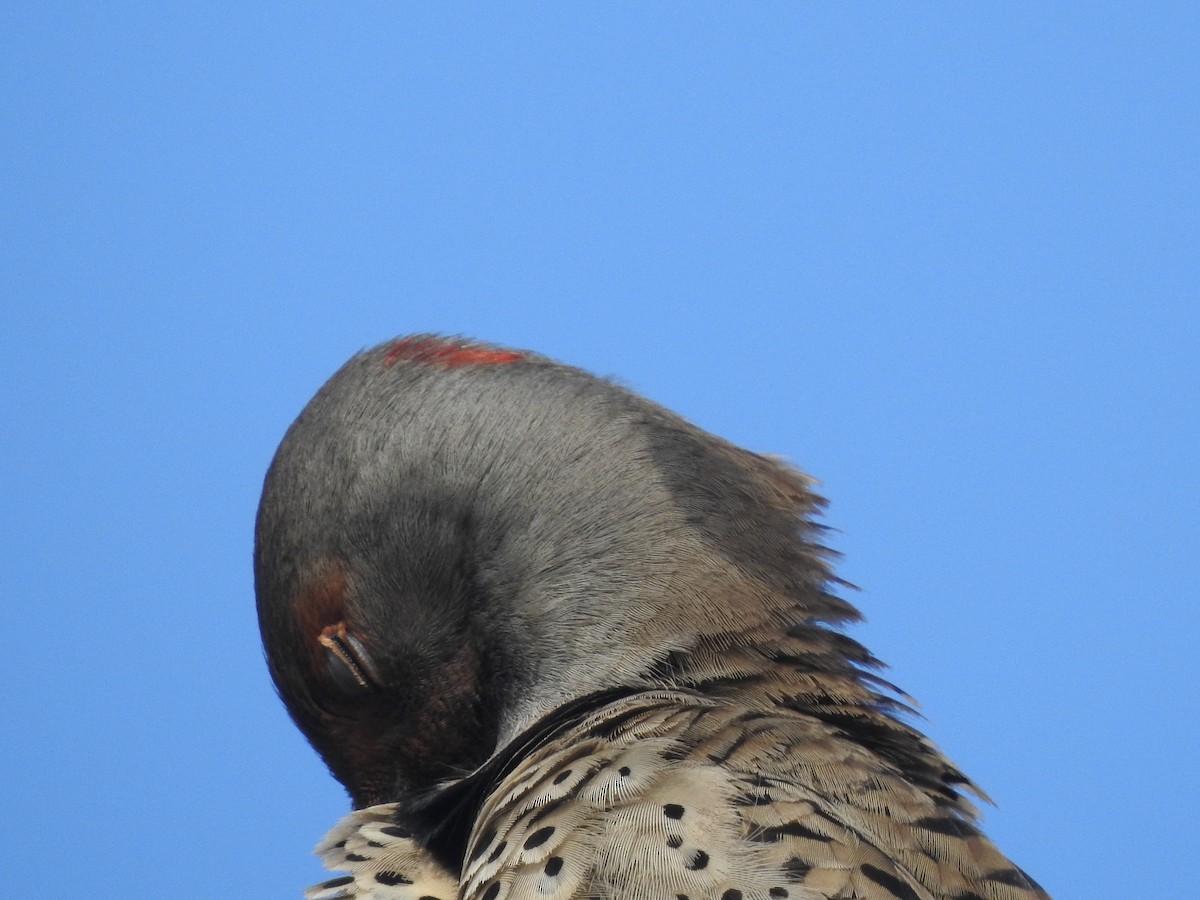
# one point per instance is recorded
(349, 664)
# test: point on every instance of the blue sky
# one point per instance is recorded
(942, 256)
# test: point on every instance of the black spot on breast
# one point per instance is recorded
(779, 893)
(890, 882)
(553, 866)
(492, 891)
(732, 894)
(674, 841)
(624, 771)
(699, 861)
(562, 776)
(673, 811)
(391, 878)
(395, 831)
(354, 857)
(483, 843)
(539, 837)
(500, 848)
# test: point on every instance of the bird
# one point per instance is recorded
(558, 642)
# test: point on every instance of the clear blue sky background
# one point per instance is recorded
(943, 256)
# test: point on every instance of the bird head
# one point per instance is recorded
(455, 539)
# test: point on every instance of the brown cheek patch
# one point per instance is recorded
(320, 605)
(447, 354)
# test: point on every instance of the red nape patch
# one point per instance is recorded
(447, 354)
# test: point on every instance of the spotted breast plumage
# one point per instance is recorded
(557, 642)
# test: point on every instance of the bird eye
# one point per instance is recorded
(349, 664)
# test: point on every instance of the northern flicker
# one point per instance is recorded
(558, 642)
